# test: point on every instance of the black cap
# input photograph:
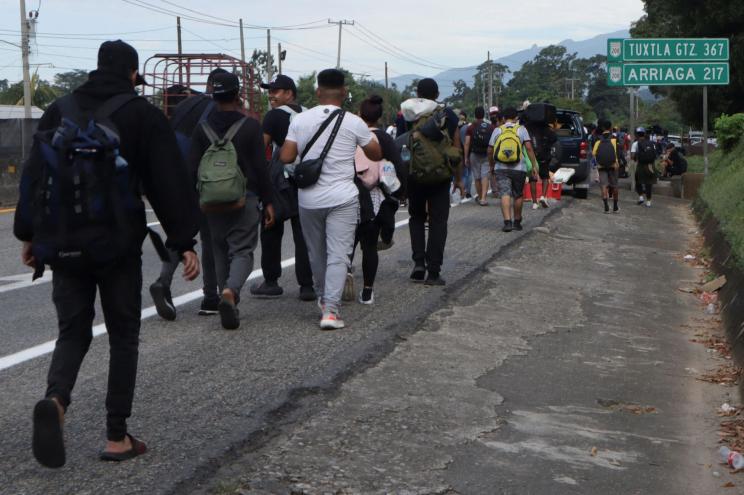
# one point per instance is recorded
(225, 83)
(281, 82)
(427, 88)
(119, 57)
(331, 79)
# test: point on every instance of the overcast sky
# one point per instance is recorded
(69, 31)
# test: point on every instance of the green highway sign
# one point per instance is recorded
(668, 50)
(668, 74)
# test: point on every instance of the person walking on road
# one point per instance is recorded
(476, 153)
(95, 245)
(186, 116)
(282, 94)
(506, 157)
(643, 152)
(329, 201)
(228, 142)
(436, 158)
(377, 206)
(606, 154)
(467, 177)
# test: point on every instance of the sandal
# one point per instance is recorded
(48, 443)
(138, 448)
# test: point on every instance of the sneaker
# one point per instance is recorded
(348, 294)
(483, 203)
(209, 306)
(367, 296)
(518, 225)
(229, 315)
(434, 279)
(648, 204)
(468, 196)
(535, 206)
(641, 200)
(307, 293)
(321, 306)
(418, 274)
(266, 290)
(508, 226)
(606, 208)
(615, 209)
(161, 296)
(331, 321)
(544, 202)
(384, 246)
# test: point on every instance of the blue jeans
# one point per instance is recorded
(467, 179)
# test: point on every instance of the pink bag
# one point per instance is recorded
(367, 170)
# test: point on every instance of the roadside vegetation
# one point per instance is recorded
(721, 193)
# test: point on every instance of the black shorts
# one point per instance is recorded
(543, 172)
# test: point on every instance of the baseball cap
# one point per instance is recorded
(281, 82)
(640, 130)
(225, 83)
(119, 57)
(493, 110)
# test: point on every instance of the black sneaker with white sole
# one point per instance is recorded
(307, 293)
(209, 306)
(161, 296)
(418, 274)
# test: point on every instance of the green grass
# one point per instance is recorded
(696, 164)
(723, 196)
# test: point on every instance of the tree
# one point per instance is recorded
(306, 91)
(258, 60)
(542, 78)
(3, 85)
(66, 82)
(42, 93)
(692, 19)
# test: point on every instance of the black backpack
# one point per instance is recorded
(606, 153)
(481, 136)
(646, 151)
(82, 206)
(543, 139)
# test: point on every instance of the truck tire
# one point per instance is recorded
(581, 192)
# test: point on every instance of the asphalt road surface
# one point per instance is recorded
(204, 394)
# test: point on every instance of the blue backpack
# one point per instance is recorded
(82, 204)
(183, 138)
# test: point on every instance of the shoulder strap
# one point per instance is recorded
(233, 130)
(320, 131)
(209, 132)
(332, 138)
(207, 111)
(69, 109)
(188, 106)
(113, 104)
(287, 109)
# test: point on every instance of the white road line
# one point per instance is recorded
(21, 281)
(47, 347)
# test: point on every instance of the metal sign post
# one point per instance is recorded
(705, 128)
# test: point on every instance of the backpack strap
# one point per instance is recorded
(320, 131)
(70, 109)
(233, 130)
(113, 104)
(209, 132)
(190, 105)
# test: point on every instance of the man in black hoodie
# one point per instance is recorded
(234, 230)
(148, 145)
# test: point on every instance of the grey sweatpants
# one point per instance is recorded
(234, 239)
(329, 235)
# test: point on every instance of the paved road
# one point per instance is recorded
(562, 367)
(204, 394)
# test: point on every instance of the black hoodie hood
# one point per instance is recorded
(102, 85)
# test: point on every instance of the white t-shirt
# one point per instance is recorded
(523, 135)
(336, 183)
(634, 147)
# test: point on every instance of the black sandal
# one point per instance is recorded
(138, 448)
(48, 442)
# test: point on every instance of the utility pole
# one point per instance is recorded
(490, 81)
(340, 23)
(268, 55)
(386, 76)
(242, 42)
(180, 50)
(26, 127)
(631, 123)
(281, 57)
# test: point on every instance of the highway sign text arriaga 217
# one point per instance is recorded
(668, 50)
(668, 74)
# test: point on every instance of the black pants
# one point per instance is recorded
(367, 234)
(74, 295)
(271, 253)
(432, 201)
(386, 219)
(644, 190)
(209, 276)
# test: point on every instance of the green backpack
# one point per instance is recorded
(220, 181)
(431, 148)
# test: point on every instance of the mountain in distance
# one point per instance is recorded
(584, 49)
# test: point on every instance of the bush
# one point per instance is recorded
(729, 129)
(722, 195)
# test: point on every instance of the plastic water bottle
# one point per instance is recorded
(734, 459)
(405, 154)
